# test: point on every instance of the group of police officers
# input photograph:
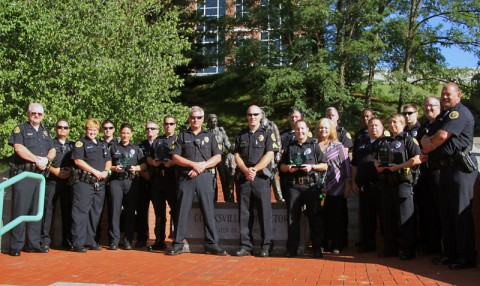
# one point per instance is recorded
(412, 170)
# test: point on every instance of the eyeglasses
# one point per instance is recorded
(253, 114)
(430, 105)
(108, 128)
(36, 113)
(63, 127)
(151, 128)
(170, 123)
(408, 113)
(196, 117)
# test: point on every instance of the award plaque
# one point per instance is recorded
(298, 159)
(162, 152)
(125, 161)
(385, 156)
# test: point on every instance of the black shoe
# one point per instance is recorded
(176, 250)
(461, 266)
(66, 246)
(290, 254)
(364, 249)
(407, 256)
(387, 253)
(264, 253)
(442, 260)
(36, 250)
(113, 246)
(95, 247)
(127, 245)
(79, 249)
(242, 252)
(159, 245)
(215, 250)
(317, 253)
(14, 252)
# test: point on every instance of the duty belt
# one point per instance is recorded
(304, 180)
(123, 176)
(209, 170)
(446, 162)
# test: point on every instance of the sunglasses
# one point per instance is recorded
(408, 113)
(108, 128)
(253, 114)
(169, 123)
(63, 127)
(196, 117)
(151, 128)
(36, 113)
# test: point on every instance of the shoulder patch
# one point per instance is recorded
(16, 129)
(309, 134)
(415, 140)
(273, 137)
(45, 133)
(348, 135)
(79, 144)
(454, 115)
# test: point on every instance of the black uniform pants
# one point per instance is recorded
(202, 185)
(252, 194)
(143, 203)
(58, 190)
(86, 210)
(164, 190)
(122, 193)
(397, 217)
(369, 204)
(336, 220)
(300, 195)
(456, 214)
(426, 195)
(25, 202)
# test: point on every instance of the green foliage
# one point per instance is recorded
(81, 59)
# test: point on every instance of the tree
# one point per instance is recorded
(81, 59)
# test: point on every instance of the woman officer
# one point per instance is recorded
(302, 178)
(397, 154)
(128, 160)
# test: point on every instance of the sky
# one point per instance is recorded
(457, 58)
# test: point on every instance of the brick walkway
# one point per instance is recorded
(154, 268)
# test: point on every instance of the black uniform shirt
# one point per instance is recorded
(310, 150)
(287, 137)
(63, 157)
(414, 130)
(38, 142)
(344, 137)
(402, 146)
(197, 148)
(95, 155)
(121, 152)
(162, 146)
(251, 146)
(363, 156)
(459, 121)
(360, 135)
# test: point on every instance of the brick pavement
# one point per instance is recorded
(138, 267)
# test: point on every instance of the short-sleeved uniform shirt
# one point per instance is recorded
(310, 150)
(63, 156)
(38, 142)
(363, 156)
(459, 121)
(94, 154)
(414, 130)
(403, 147)
(344, 137)
(251, 146)
(197, 148)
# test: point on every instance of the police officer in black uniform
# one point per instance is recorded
(449, 148)
(301, 163)
(93, 160)
(397, 154)
(34, 152)
(410, 112)
(196, 153)
(145, 186)
(164, 183)
(343, 135)
(365, 183)
(127, 161)
(254, 150)
(59, 187)
(362, 133)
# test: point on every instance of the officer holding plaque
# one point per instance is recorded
(302, 163)
(397, 154)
